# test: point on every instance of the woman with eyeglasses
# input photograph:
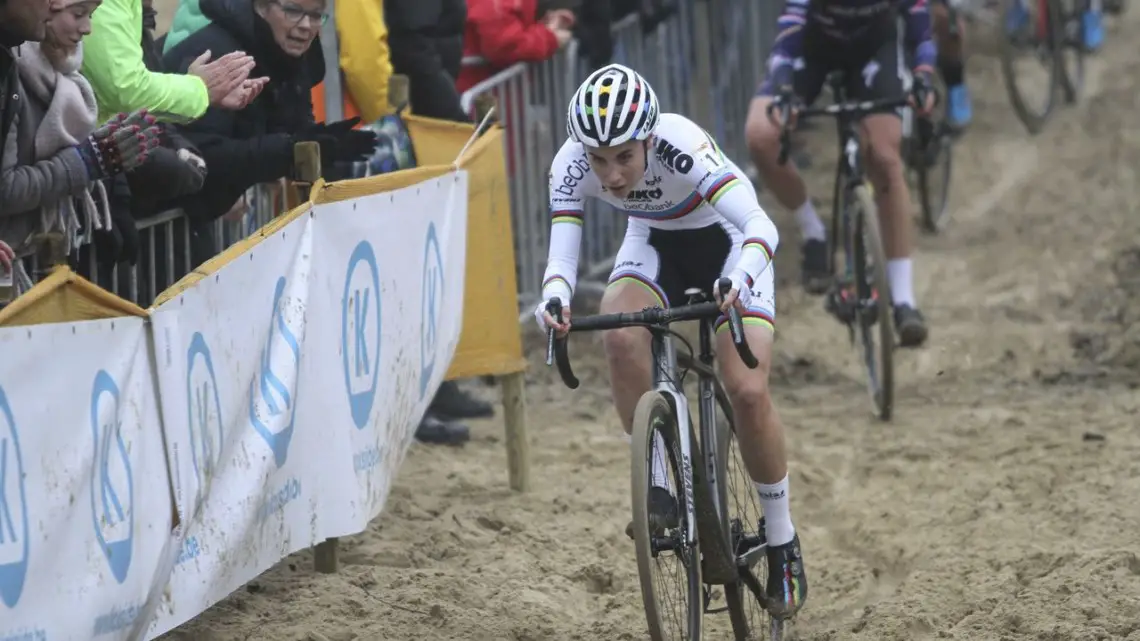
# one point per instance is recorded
(255, 145)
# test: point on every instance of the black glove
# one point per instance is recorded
(339, 141)
(922, 87)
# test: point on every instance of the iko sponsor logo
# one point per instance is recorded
(572, 174)
(112, 482)
(205, 412)
(673, 158)
(274, 416)
(653, 180)
(361, 332)
(14, 544)
(644, 194)
(432, 301)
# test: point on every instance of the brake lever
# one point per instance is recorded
(556, 351)
(736, 327)
(554, 308)
(784, 104)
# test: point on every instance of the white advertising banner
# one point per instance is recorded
(292, 381)
(386, 310)
(85, 506)
(230, 354)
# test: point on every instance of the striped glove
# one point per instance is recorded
(119, 145)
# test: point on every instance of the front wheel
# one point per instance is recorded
(668, 566)
(873, 300)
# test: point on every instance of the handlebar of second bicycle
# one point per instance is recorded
(557, 352)
(846, 109)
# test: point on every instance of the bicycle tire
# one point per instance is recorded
(1034, 122)
(654, 412)
(1072, 84)
(868, 249)
(935, 206)
(736, 593)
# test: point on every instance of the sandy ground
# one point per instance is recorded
(983, 512)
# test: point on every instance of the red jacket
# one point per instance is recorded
(502, 32)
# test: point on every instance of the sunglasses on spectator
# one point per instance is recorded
(295, 13)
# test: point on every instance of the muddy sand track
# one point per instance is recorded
(982, 512)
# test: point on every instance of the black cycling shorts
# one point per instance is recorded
(874, 68)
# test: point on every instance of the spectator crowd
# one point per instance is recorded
(104, 123)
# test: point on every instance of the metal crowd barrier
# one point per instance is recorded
(705, 62)
(165, 247)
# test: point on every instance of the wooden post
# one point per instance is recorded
(398, 90)
(307, 162)
(307, 169)
(325, 558)
(518, 443)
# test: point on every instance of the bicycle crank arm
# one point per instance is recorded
(753, 584)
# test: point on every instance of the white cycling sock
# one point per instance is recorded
(811, 227)
(778, 528)
(901, 281)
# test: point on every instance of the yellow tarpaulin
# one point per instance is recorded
(490, 342)
(65, 297)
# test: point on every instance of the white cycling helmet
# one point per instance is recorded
(613, 105)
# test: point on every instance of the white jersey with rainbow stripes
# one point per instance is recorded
(685, 176)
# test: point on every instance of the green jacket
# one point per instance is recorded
(113, 63)
(187, 19)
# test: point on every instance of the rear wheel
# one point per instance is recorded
(873, 299)
(670, 572)
(1029, 58)
(742, 523)
(933, 167)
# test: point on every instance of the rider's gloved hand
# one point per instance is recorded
(546, 321)
(740, 295)
(782, 109)
(922, 91)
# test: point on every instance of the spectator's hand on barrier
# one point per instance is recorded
(119, 145)
(355, 145)
(223, 77)
(546, 321)
(339, 141)
(6, 256)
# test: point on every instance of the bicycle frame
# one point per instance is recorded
(849, 174)
(665, 381)
(664, 375)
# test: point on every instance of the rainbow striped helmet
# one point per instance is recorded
(613, 105)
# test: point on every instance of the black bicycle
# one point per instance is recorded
(1049, 31)
(860, 297)
(726, 537)
(928, 146)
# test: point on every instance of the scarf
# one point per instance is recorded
(70, 117)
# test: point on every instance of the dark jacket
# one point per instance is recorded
(9, 101)
(254, 145)
(426, 42)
